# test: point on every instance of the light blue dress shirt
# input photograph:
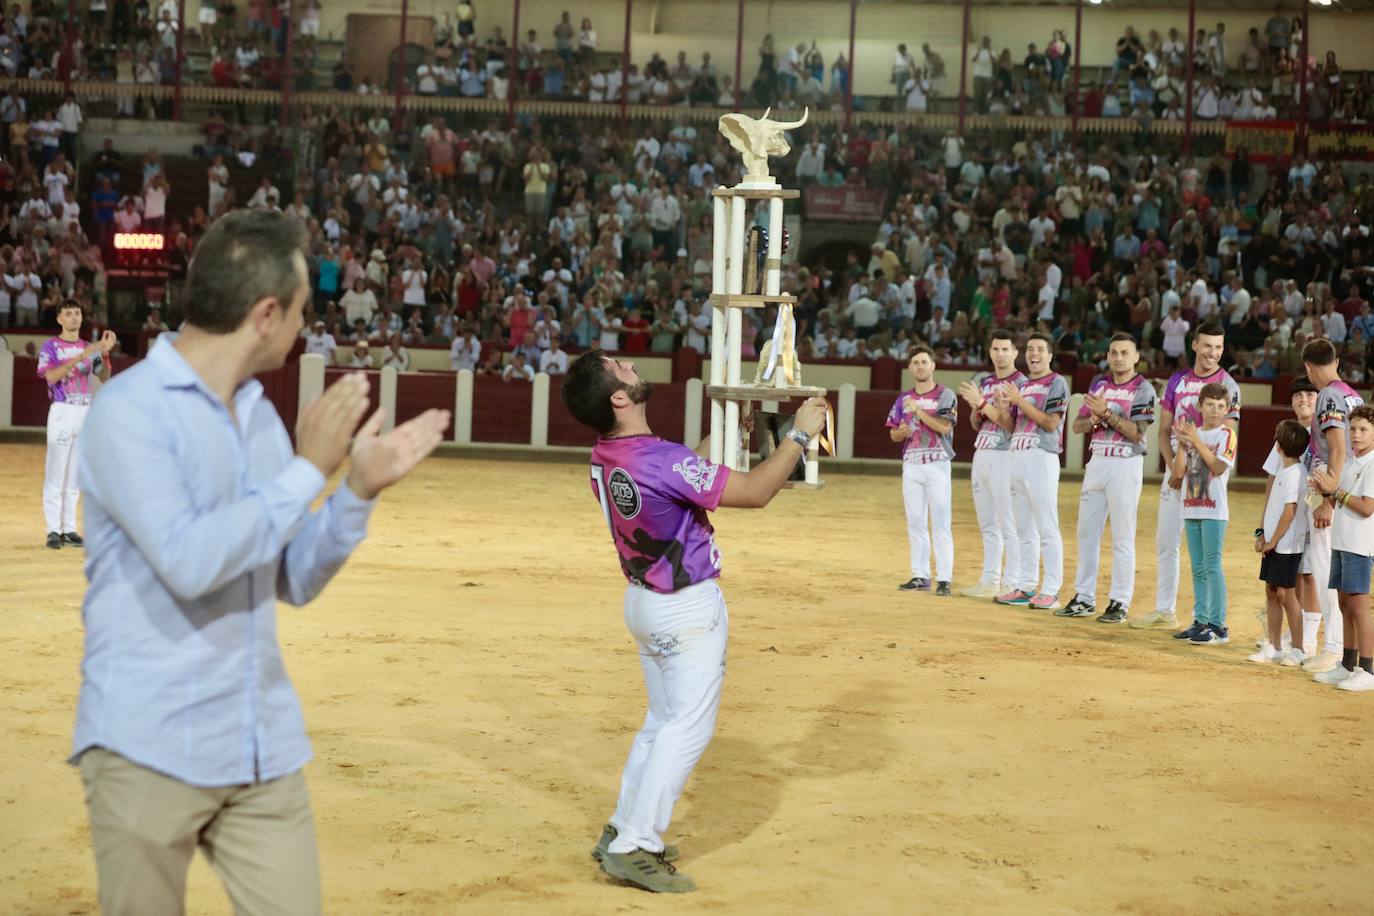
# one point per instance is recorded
(195, 527)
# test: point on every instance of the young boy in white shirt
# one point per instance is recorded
(1280, 542)
(1352, 544)
(1204, 464)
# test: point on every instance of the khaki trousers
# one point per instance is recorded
(259, 839)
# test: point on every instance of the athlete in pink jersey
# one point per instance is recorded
(1119, 406)
(66, 364)
(1329, 445)
(1180, 402)
(655, 495)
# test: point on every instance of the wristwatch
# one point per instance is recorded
(1259, 532)
(800, 437)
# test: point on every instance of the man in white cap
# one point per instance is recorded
(322, 342)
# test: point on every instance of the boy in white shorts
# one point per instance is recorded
(1038, 407)
(923, 419)
(1280, 541)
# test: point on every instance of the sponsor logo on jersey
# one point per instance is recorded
(697, 473)
(624, 493)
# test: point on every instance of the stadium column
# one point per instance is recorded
(625, 67)
(462, 408)
(539, 411)
(1304, 74)
(288, 66)
(386, 397)
(844, 423)
(963, 68)
(68, 43)
(176, 64)
(1077, 67)
(1188, 79)
(849, 76)
(513, 74)
(6, 389)
(399, 77)
(739, 51)
(311, 375)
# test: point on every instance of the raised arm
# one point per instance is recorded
(756, 489)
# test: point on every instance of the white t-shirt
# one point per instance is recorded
(552, 363)
(322, 344)
(1175, 336)
(1290, 485)
(1350, 531)
(1204, 493)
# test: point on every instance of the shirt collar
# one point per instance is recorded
(173, 371)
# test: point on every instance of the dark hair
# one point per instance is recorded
(1319, 353)
(587, 390)
(1002, 334)
(1213, 391)
(246, 256)
(1121, 336)
(1300, 384)
(918, 350)
(1363, 412)
(1210, 328)
(71, 304)
(1038, 335)
(1291, 438)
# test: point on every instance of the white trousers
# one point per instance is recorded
(996, 520)
(60, 490)
(681, 637)
(1035, 502)
(926, 493)
(1111, 493)
(1319, 559)
(1168, 540)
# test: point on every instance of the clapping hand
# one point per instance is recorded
(1187, 431)
(1007, 393)
(382, 459)
(971, 393)
(1097, 405)
(108, 341)
(1325, 482)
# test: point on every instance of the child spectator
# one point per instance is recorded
(1352, 544)
(1205, 464)
(1280, 541)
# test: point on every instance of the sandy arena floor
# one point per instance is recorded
(471, 691)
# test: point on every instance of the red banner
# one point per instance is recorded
(1264, 141)
(845, 204)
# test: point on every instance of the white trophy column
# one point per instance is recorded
(773, 282)
(719, 246)
(735, 329)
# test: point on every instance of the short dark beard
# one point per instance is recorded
(639, 392)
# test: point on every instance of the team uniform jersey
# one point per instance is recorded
(1049, 394)
(1334, 403)
(990, 435)
(1204, 493)
(75, 388)
(1133, 399)
(924, 445)
(1181, 394)
(655, 496)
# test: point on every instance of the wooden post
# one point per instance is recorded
(180, 53)
(739, 52)
(849, 76)
(289, 66)
(513, 84)
(68, 61)
(386, 396)
(625, 68)
(1301, 141)
(721, 246)
(1077, 68)
(963, 67)
(462, 408)
(1188, 80)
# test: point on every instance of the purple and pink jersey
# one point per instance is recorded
(655, 496)
(1048, 394)
(1180, 397)
(1334, 403)
(924, 445)
(990, 435)
(1133, 399)
(75, 387)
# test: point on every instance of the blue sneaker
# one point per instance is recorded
(1197, 627)
(1212, 635)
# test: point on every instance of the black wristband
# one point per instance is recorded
(1259, 532)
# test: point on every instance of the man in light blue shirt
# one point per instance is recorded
(188, 731)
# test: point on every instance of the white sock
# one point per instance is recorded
(1311, 620)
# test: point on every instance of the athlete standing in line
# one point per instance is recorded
(1120, 404)
(923, 419)
(66, 363)
(655, 495)
(991, 417)
(1038, 407)
(1180, 403)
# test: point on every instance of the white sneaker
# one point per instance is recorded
(1265, 655)
(1322, 661)
(1334, 677)
(1359, 679)
(982, 590)
(1291, 658)
(1155, 620)
(1286, 642)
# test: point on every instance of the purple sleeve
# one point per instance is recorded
(47, 357)
(894, 416)
(690, 478)
(1170, 392)
(1084, 412)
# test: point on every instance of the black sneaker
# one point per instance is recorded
(73, 539)
(1197, 627)
(1076, 608)
(1211, 635)
(942, 589)
(915, 585)
(54, 540)
(1114, 613)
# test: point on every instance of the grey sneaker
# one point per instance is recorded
(942, 589)
(1114, 613)
(646, 870)
(1076, 608)
(609, 833)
